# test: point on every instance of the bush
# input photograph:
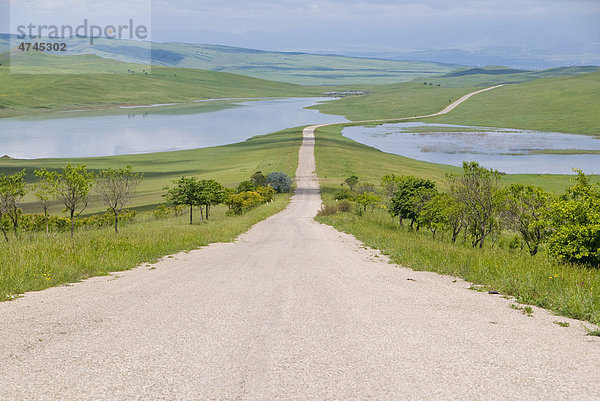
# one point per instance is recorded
(328, 209)
(163, 211)
(344, 194)
(242, 202)
(280, 182)
(575, 221)
(344, 206)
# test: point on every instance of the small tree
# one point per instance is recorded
(185, 193)
(116, 187)
(410, 198)
(72, 187)
(258, 179)
(368, 199)
(351, 182)
(45, 189)
(478, 189)
(12, 190)
(210, 193)
(524, 210)
(280, 182)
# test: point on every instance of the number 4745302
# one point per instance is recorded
(43, 47)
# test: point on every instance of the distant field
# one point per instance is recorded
(562, 103)
(227, 164)
(31, 93)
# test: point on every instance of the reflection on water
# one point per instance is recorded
(506, 150)
(153, 129)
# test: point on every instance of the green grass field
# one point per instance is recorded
(227, 164)
(105, 83)
(561, 104)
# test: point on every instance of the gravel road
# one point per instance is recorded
(293, 310)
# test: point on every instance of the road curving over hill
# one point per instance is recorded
(292, 310)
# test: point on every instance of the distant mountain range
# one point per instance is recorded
(313, 69)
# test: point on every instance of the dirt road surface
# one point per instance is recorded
(293, 310)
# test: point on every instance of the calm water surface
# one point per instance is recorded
(506, 150)
(156, 129)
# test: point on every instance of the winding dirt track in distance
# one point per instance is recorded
(293, 310)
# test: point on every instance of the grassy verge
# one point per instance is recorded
(565, 289)
(227, 164)
(35, 262)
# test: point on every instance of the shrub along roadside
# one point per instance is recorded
(33, 263)
(569, 290)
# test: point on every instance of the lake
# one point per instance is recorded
(507, 150)
(153, 129)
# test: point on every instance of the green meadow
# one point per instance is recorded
(104, 83)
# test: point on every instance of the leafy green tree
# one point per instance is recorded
(258, 179)
(45, 189)
(390, 183)
(185, 193)
(575, 220)
(72, 187)
(410, 198)
(280, 182)
(478, 189)
(524, 210)
(12, 190)
(351, 182)
(116, 187)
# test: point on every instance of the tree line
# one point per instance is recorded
(73, 185)
(477, 209)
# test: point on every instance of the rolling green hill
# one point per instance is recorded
(565, 104)
(297, 68)
(558, 100)
(106, 83)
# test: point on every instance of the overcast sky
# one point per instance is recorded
(555, 26)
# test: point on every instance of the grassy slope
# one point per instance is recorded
(564, 104)
(394, 101)
(228, 164)
(27, 93)
(561, 103)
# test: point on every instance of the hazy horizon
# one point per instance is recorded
(529, 33)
